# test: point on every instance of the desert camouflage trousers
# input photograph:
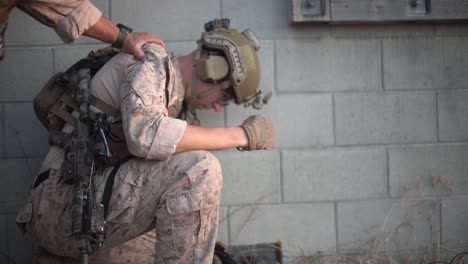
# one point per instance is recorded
(5, 8)
(159, 211)
(3, 27)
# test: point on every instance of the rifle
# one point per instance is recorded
(78, 169)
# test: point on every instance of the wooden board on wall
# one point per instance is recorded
(297, 15)
(370, 11)
(395, 10)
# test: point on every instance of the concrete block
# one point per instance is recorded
(180, 48)
(334, 174)
(428, 170)
(25, 71)
(24, 30)
(380, 118)
(425, 63)
(267, 67)
(382, 30)
(4, 258)
(413, 63)
(453, 115)
(269, 19)
(20, 246)
(25, 135)
(302, 229)
(34, 164)
(454, 225)
(15, 181)
(250, 177)
(387, 225)
(300, 120)
(65, 57)
(211, 118)
(459, 29)
(164, 18)
(455, 63)
(328, 65)
(2, 132)
(223, 226)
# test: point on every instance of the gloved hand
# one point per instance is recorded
(260, 132)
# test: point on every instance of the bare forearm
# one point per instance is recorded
(104, 30)
(207, 138)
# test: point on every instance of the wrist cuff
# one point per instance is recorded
(251, 137)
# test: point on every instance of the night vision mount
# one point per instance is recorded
(217, 23)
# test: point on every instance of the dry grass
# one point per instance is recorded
(375, 250)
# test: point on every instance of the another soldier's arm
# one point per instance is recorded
(69, 18)
(72, 18)
(105, 31)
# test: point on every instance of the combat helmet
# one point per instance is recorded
(231, 62)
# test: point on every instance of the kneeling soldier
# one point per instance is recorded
(154, 175)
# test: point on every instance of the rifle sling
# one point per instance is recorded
(41, 178)
(66, 104)
(110, 184)
(107, 189)
(106, 108)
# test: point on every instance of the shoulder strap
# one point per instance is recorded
(105, 107)
(65, 105)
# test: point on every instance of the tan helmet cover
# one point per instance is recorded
(240, 50)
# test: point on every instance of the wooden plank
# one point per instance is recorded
(296, 14)
(368, 10)
(395, 10)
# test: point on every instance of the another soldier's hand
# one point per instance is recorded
(260, 132)
(135, 40)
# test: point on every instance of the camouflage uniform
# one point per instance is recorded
(69, 18)
(177, 195)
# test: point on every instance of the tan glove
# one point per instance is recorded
(260, 132)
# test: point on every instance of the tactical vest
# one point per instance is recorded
(54, 106)
(5, 9)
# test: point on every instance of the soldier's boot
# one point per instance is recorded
(221, 255)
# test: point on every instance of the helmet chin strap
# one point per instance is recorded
(193, 85)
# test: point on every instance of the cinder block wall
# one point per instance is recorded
(371, 124)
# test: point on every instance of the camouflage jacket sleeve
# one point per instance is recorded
(69, 18)
(149, 131)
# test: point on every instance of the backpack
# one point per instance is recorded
(55, 102)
